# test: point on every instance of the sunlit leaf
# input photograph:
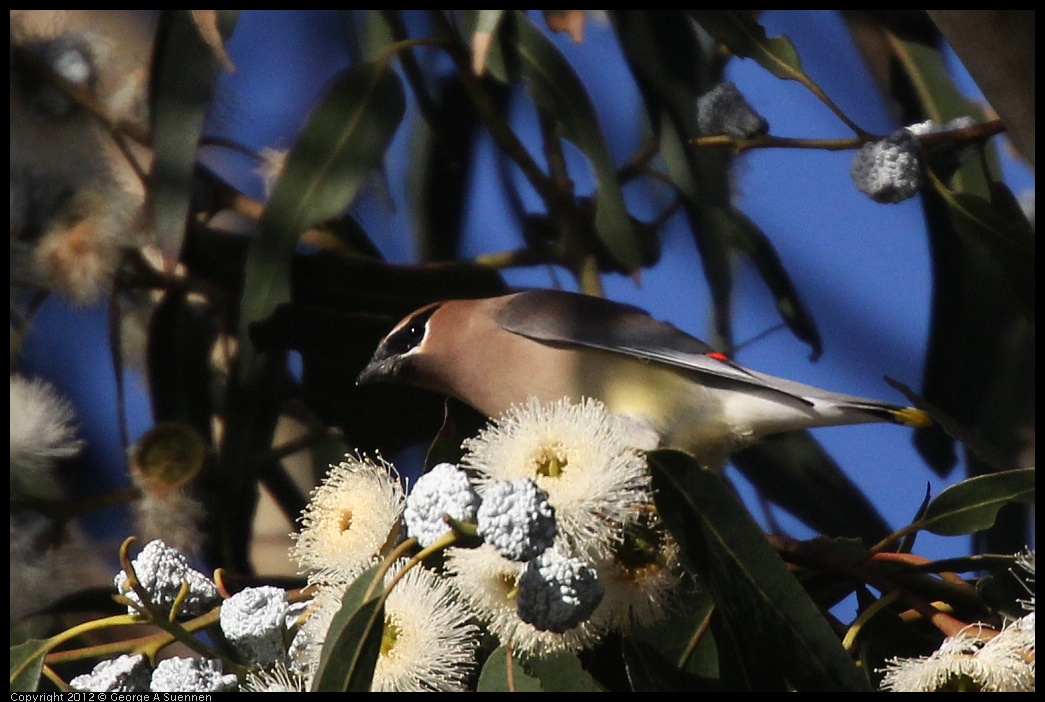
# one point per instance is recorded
(972, 505)
(758, 602)
(344, 140)
(482, 37)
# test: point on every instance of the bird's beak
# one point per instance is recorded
(378, 369)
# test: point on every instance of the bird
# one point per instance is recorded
(498, 352)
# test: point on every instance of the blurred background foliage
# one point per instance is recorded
(250, 303)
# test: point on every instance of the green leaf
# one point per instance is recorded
(353, 641)
(758, 602)
(745, 37)
(749, 238)
(343, 141)
(183, 81)
(494, 677)
(972, 505)
(561, 672)
(677, 652)
(555, 87)
(672, 71)
(27, 660)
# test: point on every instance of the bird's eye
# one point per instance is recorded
(410, 334)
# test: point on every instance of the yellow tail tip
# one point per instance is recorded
(911, 417)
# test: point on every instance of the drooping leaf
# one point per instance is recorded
(27, 660)
(972, 505)
(671, 71)
(749, 238)
(184, 76)
(353, 641)
(344, 140)
(745, 37)
(555, 87)
(758, 602)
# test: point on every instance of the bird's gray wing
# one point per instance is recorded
(560, 317)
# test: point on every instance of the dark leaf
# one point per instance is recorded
(758, 602)
(556, 88)
(561, 672)
(745, 37)
(353, 640)
(494, 677)
(184, 76)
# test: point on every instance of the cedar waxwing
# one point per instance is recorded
(496, 352)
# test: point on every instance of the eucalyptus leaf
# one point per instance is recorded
(27, 660)
(494, 676)
(556, 88)
(745, 37)
(353, 641)
(758, 601)
(344, 140)
(972, 505)
(749, 238)
(184, 77)
(561, 672)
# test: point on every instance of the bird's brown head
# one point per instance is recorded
(395, 354)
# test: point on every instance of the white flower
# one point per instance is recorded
(123, 674)
(190, 675)
(640, 578)
(968, 662)
(253, 621)
(557, 592)
(443, 490)
(583, 457)
(275, 679)
(428, 643)
(41, 426)
(516, 519)
(490, 583)
(161, 570)
(352, 517)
